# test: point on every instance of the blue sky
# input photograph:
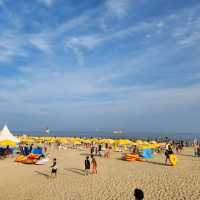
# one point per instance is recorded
(106, 64)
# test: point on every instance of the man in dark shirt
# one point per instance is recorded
(99, 149)
(87, 166)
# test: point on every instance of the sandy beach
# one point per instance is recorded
(116, 179)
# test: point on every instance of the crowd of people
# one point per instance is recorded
(25, 149)
(178, 145)
(4, 152)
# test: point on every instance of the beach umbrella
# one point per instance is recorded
(86, 141)
(153, 142)
(123, 142)
(145, 143)
(107, 140)
(161, 144)
(95, 140)
(139, 142)
(8, 143)
(75, 140)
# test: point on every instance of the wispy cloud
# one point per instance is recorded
(81, 95)
(191, 39)
(2, 2)
(73, 23)
(47, 3)
(88, 41)
(41, 43)
(10, 47)
(118, 8)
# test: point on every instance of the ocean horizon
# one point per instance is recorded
(110, 134)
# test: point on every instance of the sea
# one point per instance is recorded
(111, 134)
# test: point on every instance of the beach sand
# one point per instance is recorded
(116, 179)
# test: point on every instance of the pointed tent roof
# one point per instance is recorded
(5, 134)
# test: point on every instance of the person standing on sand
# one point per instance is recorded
(54, 167)
(96, 149)
(168, 152)
(92, 149)
(107, 152)
(45, 148)
(87, 166)
(94, 165)
(31, 148)
(99, 150)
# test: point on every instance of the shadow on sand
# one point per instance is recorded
(85, 154)
(149, 161)
(76, 170)
(187, 155)
(157, 163)
(42, 174)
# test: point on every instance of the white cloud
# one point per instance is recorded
(41, 43)
(71, 24)
(90, 41)
(2, 2)
(118, 8)
(193, 38)
(160, 24)
(11, 45)
(186, 27)
(78, 54)
(72, 94)
(47, 3)
(87, 41)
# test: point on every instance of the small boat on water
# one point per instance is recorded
(117, 132)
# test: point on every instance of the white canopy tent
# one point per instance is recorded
(6, 135)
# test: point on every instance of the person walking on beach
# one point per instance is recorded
(168, 152)
(21, 149)
(26, 150)
(45, 148)
(96, 149)
(87, 166)
(195, 144)
(54, 167)
(107, 152)
(99, 150)
(138, 194)
(31, 148)
(94, 165)
(92, 149)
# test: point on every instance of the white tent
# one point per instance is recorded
(6, 135)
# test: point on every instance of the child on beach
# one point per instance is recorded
(138, 194)
(54, 167)
(87, 166)
(94, 165)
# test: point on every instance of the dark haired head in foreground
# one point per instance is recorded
(139, 195)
